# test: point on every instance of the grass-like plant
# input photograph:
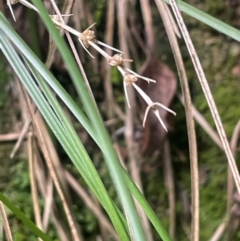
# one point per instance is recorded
(41, 86)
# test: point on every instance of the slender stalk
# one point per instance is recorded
(76, 56)
(207, 93)
(90, 203)
(147, 18)
(52, 47)
(9, 136)
(21, 138)
(75, 235)
(5, 223)
(34, 192)
(189, 118)
(204, 124)
(169, 177)
(109, 39)
(24, 219)
(230, 182)
(212, 22)
(219, 231)
(130, 114)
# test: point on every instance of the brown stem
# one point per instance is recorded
(189, 118)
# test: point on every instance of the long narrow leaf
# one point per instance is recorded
(208, 19)
(24, 219)
(147, 208)
(71, 144)
(100, 131)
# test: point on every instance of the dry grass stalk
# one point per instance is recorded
(204, 124)
(90, 204)
(5, 223)
(147, 18)
(74, 51)
(129, 78)
(9, 137)
(189, 118)
(20, 138)
(207, 93)
(48, 204)
(130, 115)
(230, 181)
(169, 179)
(107, 77)
(34, 192)
(75, 234)
(229, 225)
(219, 232)
(50, 147)
(45, 185)
(52, 47)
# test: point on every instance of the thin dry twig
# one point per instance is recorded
(147, 18)
(230, 182)
(109, 40)
(189, 118)
(74, 51)
(137, 37)
(169, 177)
(79, 17)
(52, 47)
(33, 185)
(49, 144)
(130, 115)
(20, 138)
(207, 93)
(223, 227)
(5, 223)
(48, 203)
(75, 235)
(132, 148)
(60, 229)
(204, 124)
(9, 137)
(39, 174)
(45, 185)
(219, 232)
(89, 202)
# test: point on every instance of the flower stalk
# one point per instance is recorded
(88, 38)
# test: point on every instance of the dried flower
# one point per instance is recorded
(128, 80)
(87, 35)
(140, 76)
(117, 60)
(152, 105)
(87, 38)
(10, 3)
